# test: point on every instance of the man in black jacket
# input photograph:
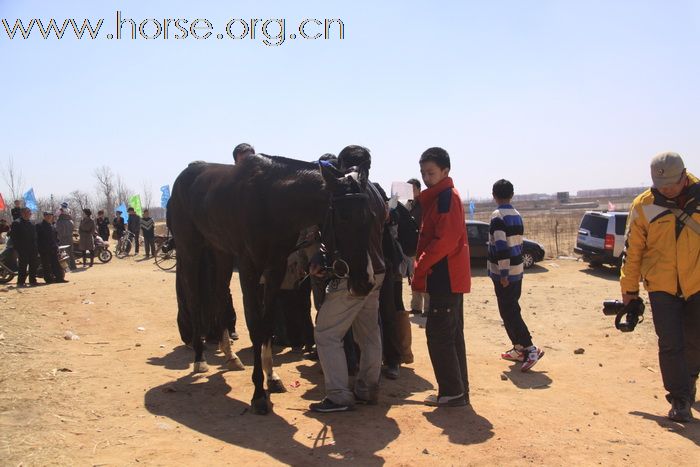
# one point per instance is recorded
(47, 243)
(23, 235)
(134, 226)
(119, 227)
(17, 210)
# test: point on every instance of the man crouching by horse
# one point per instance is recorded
(343, 306)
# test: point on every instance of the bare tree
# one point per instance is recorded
(123, 191)
(80, 199)
(45, 204)
(105, 186)
(13, 179)
(147, 195)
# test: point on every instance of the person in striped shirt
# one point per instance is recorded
(505, 265)
(149, 237)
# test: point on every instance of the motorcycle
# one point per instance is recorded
(9, 266)
(101, 249)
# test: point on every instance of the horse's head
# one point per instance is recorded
(348, 224)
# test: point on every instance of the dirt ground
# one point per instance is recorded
(124, 394)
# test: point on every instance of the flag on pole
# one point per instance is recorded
(122, 208)
(2, 202)
(30, 200)
(135, 202)
(165, 196)
(471, 210)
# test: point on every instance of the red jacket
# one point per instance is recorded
(442, 264)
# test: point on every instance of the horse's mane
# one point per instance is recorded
(288, 163)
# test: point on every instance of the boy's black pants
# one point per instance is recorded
(509, 308)
(445, 333)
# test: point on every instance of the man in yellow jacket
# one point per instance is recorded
(663, 249)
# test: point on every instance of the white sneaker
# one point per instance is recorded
(445, 401)
(533, 356)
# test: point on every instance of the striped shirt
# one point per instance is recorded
(506, 244)
(147, 225)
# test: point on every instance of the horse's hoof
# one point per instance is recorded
(276, 385)
(201, 367)
(260, 406)
(235, 364)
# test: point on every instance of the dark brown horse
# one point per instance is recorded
(255, 211)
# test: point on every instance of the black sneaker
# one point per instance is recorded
(372, 400)
(680, 411)
(392, 371)
(327, 406)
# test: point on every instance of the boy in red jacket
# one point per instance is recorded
(442, 270)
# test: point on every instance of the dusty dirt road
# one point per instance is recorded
(123, 394)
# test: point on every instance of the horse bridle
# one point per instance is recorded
(339, 268)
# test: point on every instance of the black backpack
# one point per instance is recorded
(407, 229)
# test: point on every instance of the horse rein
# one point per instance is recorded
(339, 268)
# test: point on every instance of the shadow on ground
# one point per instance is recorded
(528, 380)
(536, 269)
(603, 272)
(461, 424)
(690, 430)
(206, 404)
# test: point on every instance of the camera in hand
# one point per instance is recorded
(633, 313)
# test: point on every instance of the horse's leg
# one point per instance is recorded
(250, 285)
(200, 364)
(224, 306)
(273, 281)
(274, 382)
(189, 283)
(232, 361)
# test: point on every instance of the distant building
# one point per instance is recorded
(610, 192)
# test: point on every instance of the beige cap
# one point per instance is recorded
(666, 169)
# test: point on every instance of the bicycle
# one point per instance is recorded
(166, 258)
(124, 245)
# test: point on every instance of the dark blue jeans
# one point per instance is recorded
(509, 308)
(677, 324)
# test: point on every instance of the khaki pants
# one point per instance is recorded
(420, 301)
(339, 312)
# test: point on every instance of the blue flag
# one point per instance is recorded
(123, 215)
(471, 210)
(165, 196)
(30, 200)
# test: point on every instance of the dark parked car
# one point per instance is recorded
(478, 238)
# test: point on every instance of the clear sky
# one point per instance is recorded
(553, 95)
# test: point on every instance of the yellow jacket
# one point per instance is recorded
(666, 262)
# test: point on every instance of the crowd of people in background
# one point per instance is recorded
(36, 248)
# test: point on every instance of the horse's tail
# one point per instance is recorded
(168, 220)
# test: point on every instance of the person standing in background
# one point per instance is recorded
(102, 225)
(148, 227)
(86, 230)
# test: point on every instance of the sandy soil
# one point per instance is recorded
(123, 394)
